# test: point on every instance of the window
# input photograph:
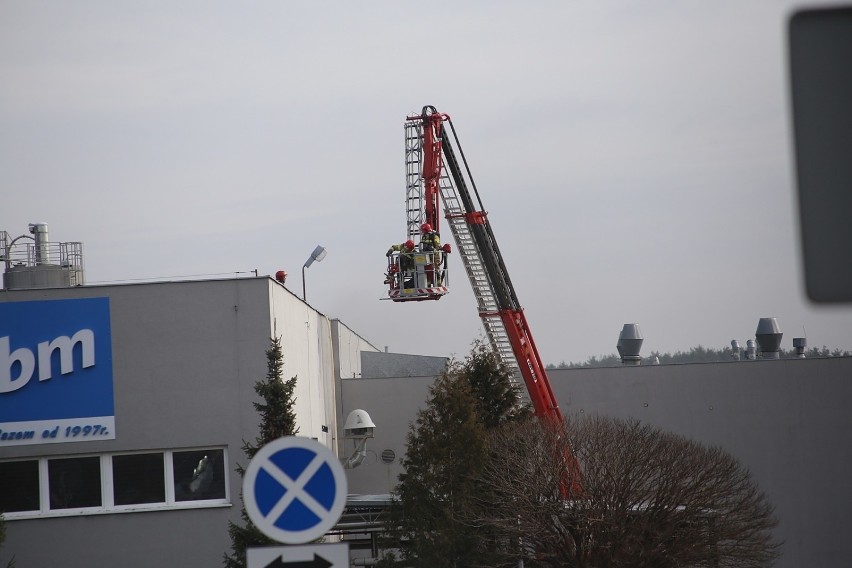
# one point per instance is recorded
(199, 474)
(74, 483)
(170, 479)
(20, 487)
(138, 478)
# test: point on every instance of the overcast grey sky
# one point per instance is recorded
(634, 157)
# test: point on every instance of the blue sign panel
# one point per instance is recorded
(56, 381)
(294, 490)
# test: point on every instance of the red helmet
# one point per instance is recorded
(409, 244)
(425, 228)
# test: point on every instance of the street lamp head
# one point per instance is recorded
(318, 254)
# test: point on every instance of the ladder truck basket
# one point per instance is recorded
(416, 276)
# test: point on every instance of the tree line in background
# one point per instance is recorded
(697, 354)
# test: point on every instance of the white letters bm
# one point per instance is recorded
(27, 359)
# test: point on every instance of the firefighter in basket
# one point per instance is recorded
(430, 243)
(405, 269)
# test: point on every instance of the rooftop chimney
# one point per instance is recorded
(629, 343)
(42, 242)
(768, 337)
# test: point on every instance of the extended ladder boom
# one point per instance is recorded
(499, 308)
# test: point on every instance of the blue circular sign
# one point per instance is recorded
(294, 490)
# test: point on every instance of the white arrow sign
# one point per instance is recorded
(310, 556)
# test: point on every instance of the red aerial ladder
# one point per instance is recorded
(432, 168)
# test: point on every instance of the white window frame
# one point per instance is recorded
(108, 505)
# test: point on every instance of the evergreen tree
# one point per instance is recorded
(496, 396)
(11, 563)
(446, 448)
(277, 419)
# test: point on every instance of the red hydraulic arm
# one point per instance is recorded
(432, 166)
(435, 145)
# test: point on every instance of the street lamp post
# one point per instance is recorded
(318, 254)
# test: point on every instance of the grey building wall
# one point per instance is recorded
(392, 404)
(376, 365)
(786, 420)
(186, 356)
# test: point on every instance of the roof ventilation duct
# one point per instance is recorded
(42, 243)
(768, 337)
(800, 344)
(751, 350)
(629, 343)
(736, 350)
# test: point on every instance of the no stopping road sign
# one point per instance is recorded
(294, 490)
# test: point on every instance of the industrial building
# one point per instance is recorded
(786, 420)
(119, 443)
(125, 452)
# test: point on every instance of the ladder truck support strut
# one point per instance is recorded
(535, 378)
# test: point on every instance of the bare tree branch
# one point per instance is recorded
(650, 498)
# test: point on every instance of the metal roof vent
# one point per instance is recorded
(751, 350)
(768, 337)
(800, 344)
(629, 343)
(736, 350)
